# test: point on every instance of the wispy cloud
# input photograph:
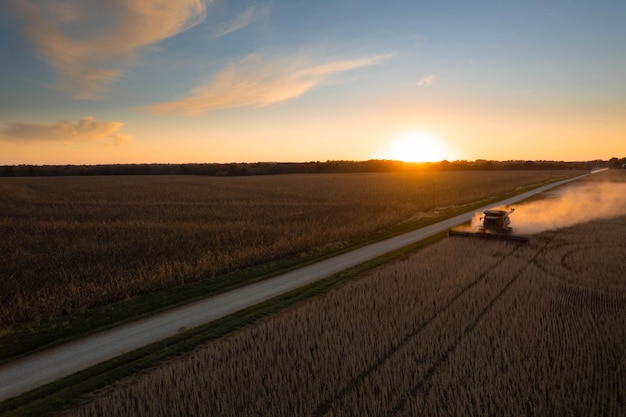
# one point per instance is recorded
(426, 81)
(90, 42)
(253, 82)
(86, 130)
(245, 18)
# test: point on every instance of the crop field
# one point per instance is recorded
(461, 328)
(72, 243)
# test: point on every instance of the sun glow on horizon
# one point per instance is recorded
(417, 147)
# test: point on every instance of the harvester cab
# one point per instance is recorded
(495, 225)
(497, 221)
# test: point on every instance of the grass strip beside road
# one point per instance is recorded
(68, 391)
(34, 337)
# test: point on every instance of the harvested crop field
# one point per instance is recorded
(72, 243)
(462, 327)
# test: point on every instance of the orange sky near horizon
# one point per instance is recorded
(467, 135)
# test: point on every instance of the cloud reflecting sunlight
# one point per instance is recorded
(426, 81)
(86, 130)
(245, 18)
(90, 43)
(255, 82)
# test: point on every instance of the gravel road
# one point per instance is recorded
(33, 371)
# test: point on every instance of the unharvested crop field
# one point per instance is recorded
(461, 328)
(71, 243)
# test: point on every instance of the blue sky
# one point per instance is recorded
(216, 81)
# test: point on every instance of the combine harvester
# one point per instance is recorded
(495, 225)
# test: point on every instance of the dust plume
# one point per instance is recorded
(569, 206)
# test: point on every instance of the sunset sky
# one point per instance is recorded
(139, 81)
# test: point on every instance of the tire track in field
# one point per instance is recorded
(422, 387)
(574, 294)
(357, 380)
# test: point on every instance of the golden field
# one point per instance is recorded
(462, 327)
(71, 243)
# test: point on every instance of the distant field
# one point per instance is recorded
(463, 328)
(71, 243)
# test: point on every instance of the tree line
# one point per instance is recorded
(275, 168)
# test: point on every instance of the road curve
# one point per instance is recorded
(36, 370)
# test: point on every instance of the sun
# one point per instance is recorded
(417, 147)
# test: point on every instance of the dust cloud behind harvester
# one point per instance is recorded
(567, 207)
